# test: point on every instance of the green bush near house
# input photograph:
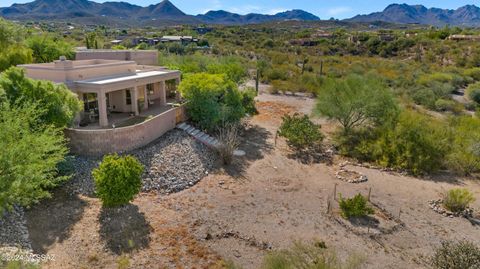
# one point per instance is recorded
(118, 180)
(56, 104)
(457, 200)
(29, 159)
(300, 131)
(212, 100)
(356, 206)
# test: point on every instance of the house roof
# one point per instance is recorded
(125, 78)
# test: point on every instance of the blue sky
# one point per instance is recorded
(322, 8)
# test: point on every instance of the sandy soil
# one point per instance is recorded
(263, 201)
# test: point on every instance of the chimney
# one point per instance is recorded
(63, 63)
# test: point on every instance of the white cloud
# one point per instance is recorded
(335, 11)
(275, 11)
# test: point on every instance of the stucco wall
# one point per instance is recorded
(142, 57)
(104, 141)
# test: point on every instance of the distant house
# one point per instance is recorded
(464, 37)
(181, 39)
(150, 41)
(306, 42)
(203, 30)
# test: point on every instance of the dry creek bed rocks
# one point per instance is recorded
(172, 163)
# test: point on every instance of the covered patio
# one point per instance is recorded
(113, 102)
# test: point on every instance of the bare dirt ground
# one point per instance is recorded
(263, 201)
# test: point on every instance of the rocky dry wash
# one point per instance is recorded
(172, 163)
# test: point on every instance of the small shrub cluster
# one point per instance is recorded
(229, 141)
(118, 180)
(300, 132)
(457, 200)
(356, 206)
(456, 255)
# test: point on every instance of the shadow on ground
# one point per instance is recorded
(254, 141)
(124, 229)
(52, 220)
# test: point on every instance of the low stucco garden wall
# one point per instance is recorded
(104, 141)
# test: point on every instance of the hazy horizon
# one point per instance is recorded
(323, 9)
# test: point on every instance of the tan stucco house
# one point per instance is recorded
(126, 105)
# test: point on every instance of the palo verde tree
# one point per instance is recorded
(356, 101)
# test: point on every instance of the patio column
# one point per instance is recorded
(102, 109)
(163, 93)
(135, 100)
(145, 97)
(178, 96)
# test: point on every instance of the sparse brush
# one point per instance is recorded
(457, 200)
(456, 255)
(228, 136)
(302, 256)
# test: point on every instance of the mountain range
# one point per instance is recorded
(165, 12)
(468, 15)
(122, 12)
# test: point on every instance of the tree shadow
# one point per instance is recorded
(124, 229)
(365, 221)
(254, 141)
(52, 220)
(310, 156)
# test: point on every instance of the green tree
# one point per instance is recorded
(30, 155)
(47, 49)
(57, 104)
(356, 101)
(212, 99)
(118, 180)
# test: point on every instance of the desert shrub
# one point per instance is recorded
(448, 105)
(416, 143)
(228, 136)
(474, 73)
(117, 179)
(425, 97)
(311, 256)
(464, 157)
(474, 92)
(212, 99)
(248, 101)
(300, 131)
(456, 255)
(356, 206)
(457, 200)
(30, 156)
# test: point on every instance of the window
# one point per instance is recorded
(150, 89)
(129, 97)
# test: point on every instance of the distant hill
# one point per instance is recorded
(125, 13)
(468, 15)
(225, 17)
